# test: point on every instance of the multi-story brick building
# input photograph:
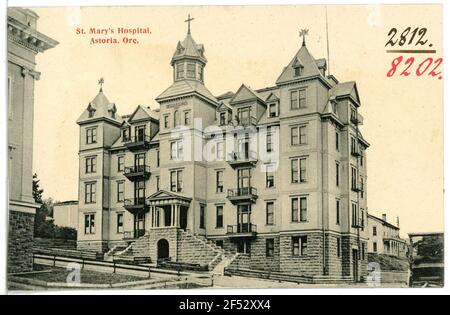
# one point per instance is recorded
(384, 237)
(287, 189)
(24, 43)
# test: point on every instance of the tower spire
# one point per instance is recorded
(189, 19)
(303, 33)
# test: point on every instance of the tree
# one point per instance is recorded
(37, 191)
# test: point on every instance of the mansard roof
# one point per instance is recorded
(188, 48)
(310, 67)
(186, 87)
(100, 108)
(245, 93)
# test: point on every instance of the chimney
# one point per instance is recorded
(398, 221)
(384, 217)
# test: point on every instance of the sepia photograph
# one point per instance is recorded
(210, 147)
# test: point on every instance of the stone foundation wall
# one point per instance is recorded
(350, 243)
(333, 258)
(309, 264)
(20, 241)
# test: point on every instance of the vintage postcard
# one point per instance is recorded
(184, 147)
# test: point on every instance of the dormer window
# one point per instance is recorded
(334, 105)
(297, 71)
(273, 110)
(180, 71)
(126, 134)
(222, 119)
(191, 70)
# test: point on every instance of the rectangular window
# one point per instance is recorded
(270, 247)
(374, 231)
(125, 134)
(353, 145)
(270, 213)
(298, 135)
(222, 118)
(269, 140)
(89, 193)
(89, 224)
(202, 216)
(354, 215)
(166, 121)
(338, 212)
(270, 176)
(337, 174)
(180, 70)
(176, 150)
(191, 70)
(298, 99)
(354, 180)
(200, 73)
(299, 245)
(338, 247)
(157, 158)
(363, 221)
(120, 191)
(219, 216)
(375, 247)
(273, 110)
(337, 141)
(353, 116)
(157, 183)
(120, 223)
(91, 164)
(303, 209)
(91, 135)
(176, 181)
(187, 120)
(120, 163)
(298, 170)
(296, 211)
(219, 181)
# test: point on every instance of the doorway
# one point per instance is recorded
(163, 249)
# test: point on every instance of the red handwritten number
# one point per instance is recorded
(394, 65)
(409, 63)
(418, 71)
(433, 72)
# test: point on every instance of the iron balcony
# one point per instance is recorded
(138, 143)
(241, 230)
(244, 158)
(243, 194)
(137, 172)
(136, 204)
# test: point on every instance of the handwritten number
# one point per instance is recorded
(403, 36)
(391, 41)
(438, 63)
(409, 63)
(422, 33)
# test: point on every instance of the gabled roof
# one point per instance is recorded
(308, 63)
(245, 93)
(272, 97)
(185, 87)
(142, 112)
(345, 89)
(225, 106)
(190, 49)
(100, 108)
(163, 194)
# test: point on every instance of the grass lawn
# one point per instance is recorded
(87, 276)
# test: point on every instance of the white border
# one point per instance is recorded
(3, 153)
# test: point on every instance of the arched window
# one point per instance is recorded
(176, 118)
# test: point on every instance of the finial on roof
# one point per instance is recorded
(303, 33)
(189, 19)
(100, 82)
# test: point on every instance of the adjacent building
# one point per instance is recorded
(277, 174)
(65, 214)
(384, 237)
(24, 43)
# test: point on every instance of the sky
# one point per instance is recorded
(403, 116)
